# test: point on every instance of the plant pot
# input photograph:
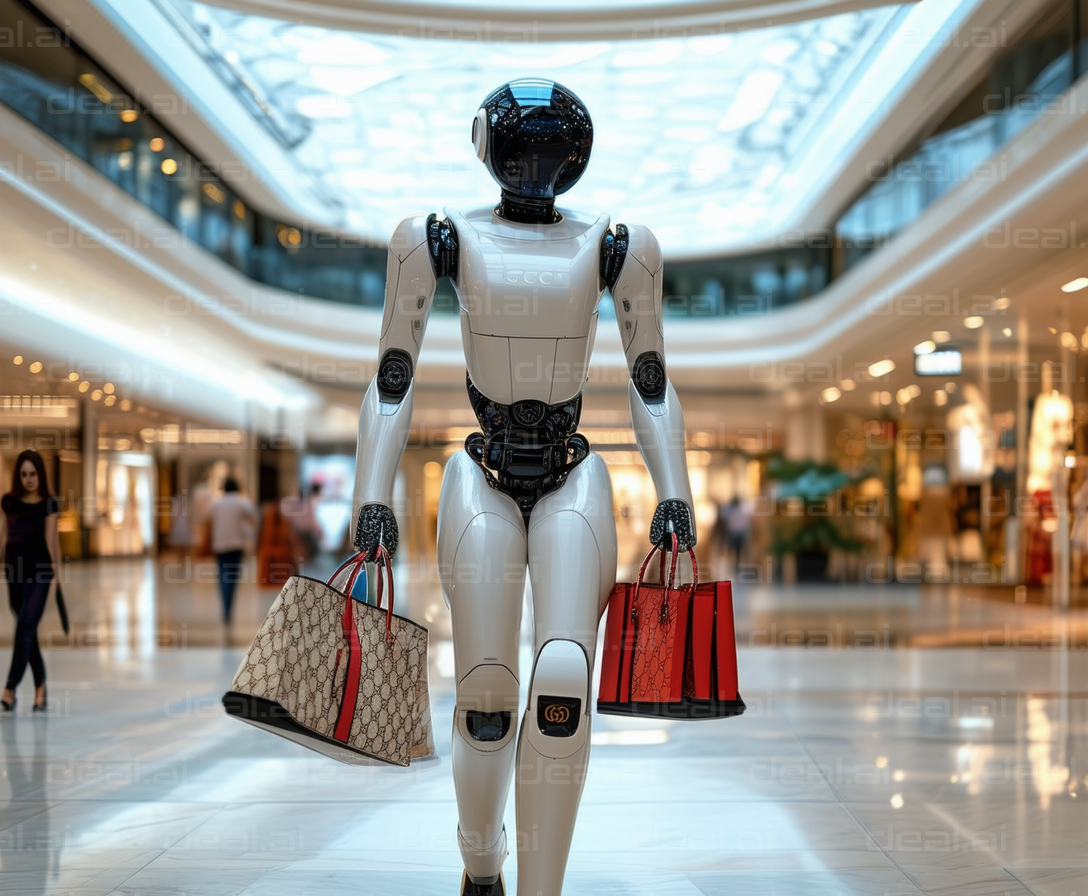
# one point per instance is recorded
(811, 566)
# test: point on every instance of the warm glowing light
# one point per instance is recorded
(129, 115)
(17, 360)
(73, 376)
(96, 395)
(1003, 303)
(897, 801)
(213, 192)
(830, 394)
(940, 398)
(848, 385)
(84, 386)
(169, 166)
(36, 367)
(881, 368)
(1068, 340)
(1006, 332)
(110, 399)
(881, 762)
(885, 398)
(108, 388)
(125, 405)
(898, 775)
(1075, 285)
(96, 87)
(974, 322)
(924, 348)
(941, 336)
(157, 144)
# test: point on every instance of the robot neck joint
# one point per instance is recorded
(527, 209)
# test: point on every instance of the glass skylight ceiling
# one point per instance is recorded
(698, 138)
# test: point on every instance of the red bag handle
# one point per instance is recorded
(382, 559)
(358, 559)
(664, 612)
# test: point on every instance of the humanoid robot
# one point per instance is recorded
(526, 492)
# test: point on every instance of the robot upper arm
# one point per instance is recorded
(635, 281)
(416, 260)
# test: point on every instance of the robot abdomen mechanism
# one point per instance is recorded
(528, 298)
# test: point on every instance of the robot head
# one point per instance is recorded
(534, 136)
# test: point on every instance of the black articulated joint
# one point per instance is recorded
(394, 375)
(613, 252)
(487, 726)
(442, 244)
(648, 375)
(673, 517)
(376, 526)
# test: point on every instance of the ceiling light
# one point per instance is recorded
(110, 399)
(96, 395)
(157, 144)
(940, 398)
(129, 115)
(881, 368)
(924, 348)
(126, 405)
(1069, 341)
(36, 367)
(941, 336)
(73, 376)
(1075, 285)
(848, 385)
(17, 360)
(830, 394)
(1003, 303)
(84, 386)
(169, 166)
(1007, 331)
(108, 388)
(974, 322)
(885, 398)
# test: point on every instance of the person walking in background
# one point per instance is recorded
(233, 520)
(30, 566)
(736, 523)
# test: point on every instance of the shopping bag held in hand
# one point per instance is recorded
(338, 675)
(670, 650)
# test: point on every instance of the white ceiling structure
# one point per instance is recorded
(702, 137)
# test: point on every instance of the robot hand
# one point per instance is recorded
(376, 525)
(673, 517)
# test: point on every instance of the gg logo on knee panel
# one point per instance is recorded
(558, 716)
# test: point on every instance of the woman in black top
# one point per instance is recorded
(30, 565)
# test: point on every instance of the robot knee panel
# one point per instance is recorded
(487, 703)
(557, 719)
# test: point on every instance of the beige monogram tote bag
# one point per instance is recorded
(343, 677)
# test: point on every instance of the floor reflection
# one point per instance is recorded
(871, 770)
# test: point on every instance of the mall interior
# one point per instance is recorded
(875, 298)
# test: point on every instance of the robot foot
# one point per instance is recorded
(471, 888)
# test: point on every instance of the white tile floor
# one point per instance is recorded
(878, 771)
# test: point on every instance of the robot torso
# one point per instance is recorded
(528, 296)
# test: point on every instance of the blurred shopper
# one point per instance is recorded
(301, 512)
(30, 566)
(1079, 539)
(736, 526)
(279, 551)
(233, 520)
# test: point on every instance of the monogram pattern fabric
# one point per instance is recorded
(299, 659)
(660, 620)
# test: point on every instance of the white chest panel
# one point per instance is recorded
(528, 297)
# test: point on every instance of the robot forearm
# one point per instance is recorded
(659, 431)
